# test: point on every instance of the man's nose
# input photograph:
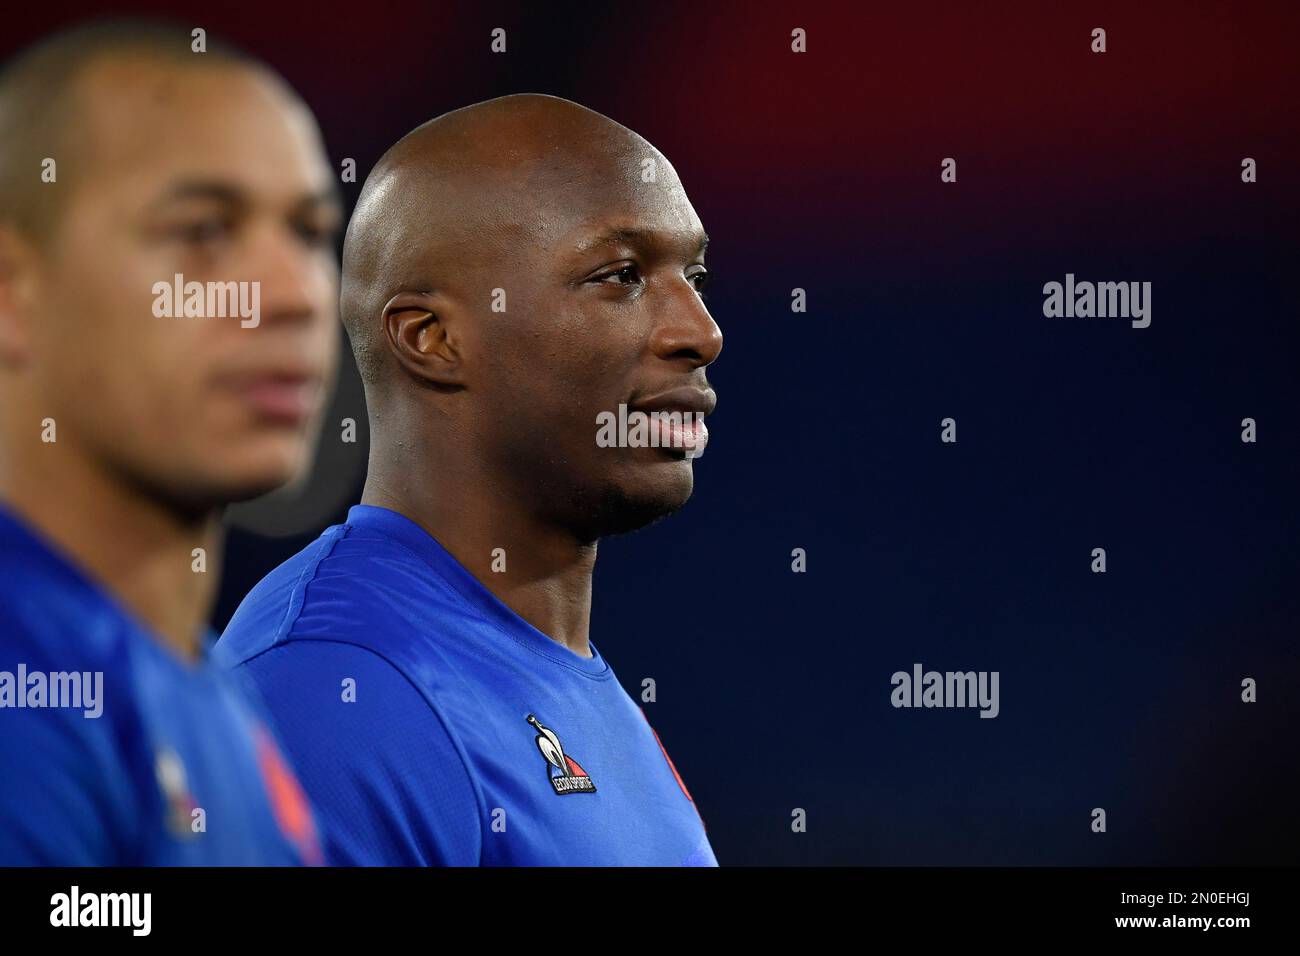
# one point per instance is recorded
(686, 329)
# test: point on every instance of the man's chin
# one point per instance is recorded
(247, 490)
(622, 509)
(232, 486)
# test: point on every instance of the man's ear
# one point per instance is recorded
(424, 332)
(17, 278)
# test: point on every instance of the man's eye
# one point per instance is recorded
(624, 276)
(701, 280)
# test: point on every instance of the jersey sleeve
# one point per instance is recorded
(386, 780)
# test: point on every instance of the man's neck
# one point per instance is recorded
(141, 551)
(539, 572)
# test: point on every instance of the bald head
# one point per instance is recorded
(454, 199)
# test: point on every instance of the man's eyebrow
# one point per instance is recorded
(202, 189)
(633, 236)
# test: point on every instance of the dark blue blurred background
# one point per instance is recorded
(821, 171)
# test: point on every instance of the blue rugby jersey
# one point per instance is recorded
(431, 725)
(147, 760)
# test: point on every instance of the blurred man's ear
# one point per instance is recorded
(17, 289)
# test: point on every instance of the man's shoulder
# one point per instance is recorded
(350, 585)
(51, 613)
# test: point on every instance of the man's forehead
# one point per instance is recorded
(609, 210)
(117, 88)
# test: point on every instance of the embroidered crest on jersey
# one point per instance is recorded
(180, 802)
(565, 774)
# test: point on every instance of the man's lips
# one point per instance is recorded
(690, 434)
(701, 401)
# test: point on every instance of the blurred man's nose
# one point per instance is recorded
(685, 329)
(297, 282)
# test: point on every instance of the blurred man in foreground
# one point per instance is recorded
(167, 330)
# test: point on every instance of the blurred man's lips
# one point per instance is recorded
(287, 398)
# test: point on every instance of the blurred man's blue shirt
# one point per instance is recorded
(431, 725)
(117, 780)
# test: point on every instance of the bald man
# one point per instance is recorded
(517, 275)
(131, 165)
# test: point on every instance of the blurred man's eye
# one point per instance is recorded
(201, 232)
(316, 233)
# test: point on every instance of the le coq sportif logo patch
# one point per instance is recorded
(565, 773)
